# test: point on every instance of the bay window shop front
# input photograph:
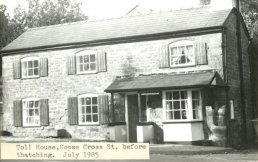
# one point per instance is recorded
(163, 107)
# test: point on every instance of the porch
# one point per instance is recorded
(163, 108)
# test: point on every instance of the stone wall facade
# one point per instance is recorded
(122, 59)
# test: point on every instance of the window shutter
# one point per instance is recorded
(44, 112)
(164, 54)
(201, 53)
(17, 70)
(71, 69)
(43, 67)
(17, 113)
(73, 111)
(103, 109)
(101, 61)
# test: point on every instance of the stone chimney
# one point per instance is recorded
(223, 4)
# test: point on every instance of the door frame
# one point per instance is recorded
(126, 113)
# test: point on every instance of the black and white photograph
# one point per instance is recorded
(129, 80)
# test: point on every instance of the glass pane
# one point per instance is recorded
(176, 105)
(94, 109)
(183, 59)
(169, 115)
(30, 72)
(36, 64)
(86, 59)
(88, 100)
(92, 66)
(175, 60)
(36, 103)
(95, 118)
(29, 64)
(83, 119)
(88, 109)
(24, 64)
(81, 59)
(30, 121)
(183, 104)
(31, 104)
(36, 71)
(36, 112)
(83, 109)
(183, 95)
(36, 121)
(195, 94)
(86, 67)
(92, 58)
(31, 112)
(184, 114)
(176, 95)
(177, 115)
(169, 105)
(81, 67)
(196, 104)
(82, 100)
(181, 50)
(173, 51)
(88, 118)
(25, 72)
(168, 96)
(94, 100)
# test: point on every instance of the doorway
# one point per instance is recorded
(133, 117)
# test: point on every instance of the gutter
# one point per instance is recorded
(167, 35)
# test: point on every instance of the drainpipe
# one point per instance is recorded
(241, 78)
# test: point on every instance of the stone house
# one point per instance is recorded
(161, 77)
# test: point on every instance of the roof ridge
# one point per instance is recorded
(115, 18)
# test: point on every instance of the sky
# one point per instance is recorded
(100, 9)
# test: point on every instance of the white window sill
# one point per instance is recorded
(88, 124)
(88, 72)
(30, 77)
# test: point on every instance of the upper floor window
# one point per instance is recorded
(30, 67)
(86, 62)
(88, 109)
(182, 105)
(182, 53)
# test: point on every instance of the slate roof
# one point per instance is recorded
(155, 23)
(164, 81)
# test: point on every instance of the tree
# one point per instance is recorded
(4, 22)
(249, 10)
(40, 13)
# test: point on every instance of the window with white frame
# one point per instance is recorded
(182, 105)
(88, 110)
(182, 53)
(31, 112)
(86, 62)
(30, 67)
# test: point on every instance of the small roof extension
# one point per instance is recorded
(166, 82)
(117, 29)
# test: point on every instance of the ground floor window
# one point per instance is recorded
(88, 109)
(182, 105)
(31, 112)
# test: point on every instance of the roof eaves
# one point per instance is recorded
(181, 33)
